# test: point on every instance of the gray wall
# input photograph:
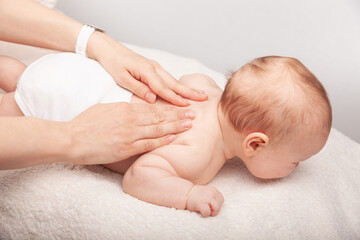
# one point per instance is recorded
(224, 34)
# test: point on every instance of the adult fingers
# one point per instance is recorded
(163, 88)
(146, 108)
(166, 116)
(181, 89)
(159, 130)
(137, 87)
(146, 145)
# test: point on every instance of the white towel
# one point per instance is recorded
(320, 200)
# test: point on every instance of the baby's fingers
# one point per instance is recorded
(215, 207)
(205, 210)
(216, 204)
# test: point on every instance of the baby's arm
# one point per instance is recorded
(153, 179)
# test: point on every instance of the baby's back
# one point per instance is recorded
(195, 154)
(61, 86)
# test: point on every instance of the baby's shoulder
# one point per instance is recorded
(199, 81)
(189, 161)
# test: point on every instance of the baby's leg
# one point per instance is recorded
(8, 106)
(10, 71)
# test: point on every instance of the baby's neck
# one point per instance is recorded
(225, 129)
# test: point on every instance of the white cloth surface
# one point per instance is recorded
(320, 200)
(59, 86)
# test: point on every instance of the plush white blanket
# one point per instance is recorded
(320, 200)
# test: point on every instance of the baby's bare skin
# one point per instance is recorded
(192, 158)
(175, 175)
(167, 176)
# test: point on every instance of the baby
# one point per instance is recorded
(273, 114)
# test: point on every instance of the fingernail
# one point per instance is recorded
(201, 92)
(186, 123)
(150, 97)
(190, 114)
(171, 138)
(186, 102)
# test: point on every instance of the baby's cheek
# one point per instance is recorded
(279, 172)
(263, 172)
(288, 172)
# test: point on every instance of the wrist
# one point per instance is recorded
(73, 151)
(104, 49)
(188, 196)
(43, 142)
(59, 143)
(99, 45)
(32, 141)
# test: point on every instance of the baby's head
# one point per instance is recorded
(280, 112)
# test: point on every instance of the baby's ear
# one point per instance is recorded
(254, 142)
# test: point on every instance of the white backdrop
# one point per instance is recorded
(224, 34)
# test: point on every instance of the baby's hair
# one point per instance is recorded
(276, 95)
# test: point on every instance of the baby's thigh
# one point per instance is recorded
(122, 166)
(10, 71)
(8, 105)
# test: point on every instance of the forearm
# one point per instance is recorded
(157, 185)
(28, 22)
(27, 141)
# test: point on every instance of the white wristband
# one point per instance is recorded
(82, 40)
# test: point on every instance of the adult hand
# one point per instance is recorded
(111, 132)
(144, 77)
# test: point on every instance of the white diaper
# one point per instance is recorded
(61, 86)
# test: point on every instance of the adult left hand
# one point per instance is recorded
(144, 77)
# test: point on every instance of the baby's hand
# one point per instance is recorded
(206, 200)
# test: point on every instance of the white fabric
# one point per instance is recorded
(320, 200)
(62, 85)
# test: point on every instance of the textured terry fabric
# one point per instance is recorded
(62, 85)
(320, 200)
